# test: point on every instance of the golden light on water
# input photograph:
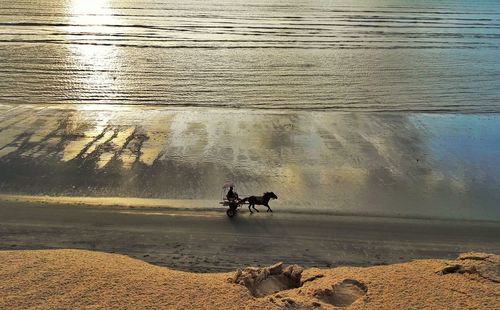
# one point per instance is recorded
(90, 24)
(95, 13)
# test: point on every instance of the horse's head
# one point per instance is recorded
(271, 195)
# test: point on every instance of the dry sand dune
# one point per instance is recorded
(76, 279)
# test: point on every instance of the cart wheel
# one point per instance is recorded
(231, 212)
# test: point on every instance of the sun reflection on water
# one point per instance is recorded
(91, 21)
(93, 14)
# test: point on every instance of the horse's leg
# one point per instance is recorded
(249, 209)
(268, 208)
(253, 206)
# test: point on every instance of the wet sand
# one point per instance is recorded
(353, 188)
(208, 241)
(386, 164)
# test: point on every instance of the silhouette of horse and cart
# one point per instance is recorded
(231, 200)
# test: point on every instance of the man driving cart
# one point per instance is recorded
(233, 198)
(230, 198)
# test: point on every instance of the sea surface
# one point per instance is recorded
(385, 108)
(376, 55)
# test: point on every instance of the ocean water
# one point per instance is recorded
(350, 107)
(431, 56)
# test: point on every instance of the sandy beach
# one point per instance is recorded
(355, 189)
(375, 125)
(56, 279)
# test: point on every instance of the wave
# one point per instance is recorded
(432, 57)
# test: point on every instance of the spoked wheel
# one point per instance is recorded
(231, 212)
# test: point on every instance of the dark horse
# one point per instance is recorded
(259, 200)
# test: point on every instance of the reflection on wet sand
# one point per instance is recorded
(390, 164)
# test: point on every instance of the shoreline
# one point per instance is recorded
(191, 205)
(252, 109)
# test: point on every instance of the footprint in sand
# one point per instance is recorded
(342, 294)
